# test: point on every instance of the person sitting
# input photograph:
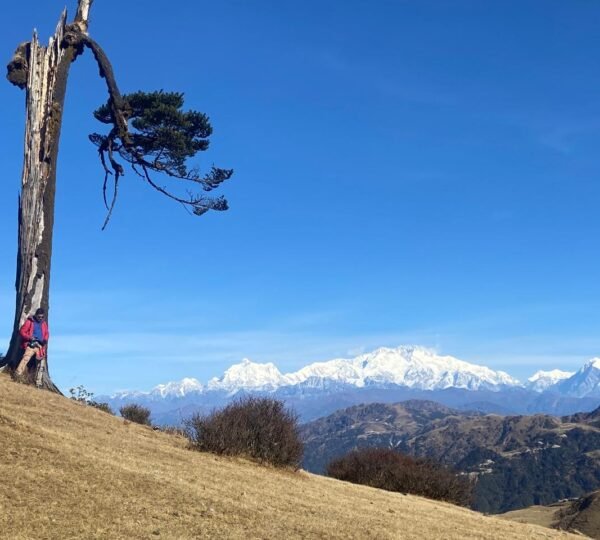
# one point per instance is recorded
(34, 338)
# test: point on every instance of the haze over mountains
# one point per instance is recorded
(384, 375)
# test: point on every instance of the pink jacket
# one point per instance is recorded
(26, 333)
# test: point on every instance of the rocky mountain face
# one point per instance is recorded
(584, 383)
(384, 375)
(517, 461)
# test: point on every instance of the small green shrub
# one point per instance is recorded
(386, 469)
(256, 427)
(81, 395)
(136, 413)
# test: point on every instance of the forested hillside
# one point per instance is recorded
(518, 461)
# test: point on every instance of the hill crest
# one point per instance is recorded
(73, 471)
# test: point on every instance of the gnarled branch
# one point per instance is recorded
(132, 149)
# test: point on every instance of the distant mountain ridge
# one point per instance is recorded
(517, 461)
(386, 374)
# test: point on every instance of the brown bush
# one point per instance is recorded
(256, 427)
(136, 413)
(386, 469)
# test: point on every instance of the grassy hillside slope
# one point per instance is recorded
(70, 471)
(581, 515)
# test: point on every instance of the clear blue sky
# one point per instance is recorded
(406, 172)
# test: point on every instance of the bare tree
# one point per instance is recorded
(147, 131)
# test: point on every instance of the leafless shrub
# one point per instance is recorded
(104, 407)
(386, 469)
(81, 394)
(256, 427)
(136, 413)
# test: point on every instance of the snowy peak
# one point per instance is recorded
(338, 370)
(593, 363)
(415, 367)
(177, 389)
(250, 376)
(542, 380)
(584, 383)
(422, 368)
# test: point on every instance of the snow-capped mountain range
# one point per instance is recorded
(384, 375)
(407, 366)
(410, 366)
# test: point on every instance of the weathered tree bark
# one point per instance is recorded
(43, 72)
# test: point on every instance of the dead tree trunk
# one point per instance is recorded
(43, 72)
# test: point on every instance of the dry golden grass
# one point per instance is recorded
(70, 471)
(580, 516)
(540, 515)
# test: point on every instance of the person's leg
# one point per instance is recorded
(41, 368)
(27, 354)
